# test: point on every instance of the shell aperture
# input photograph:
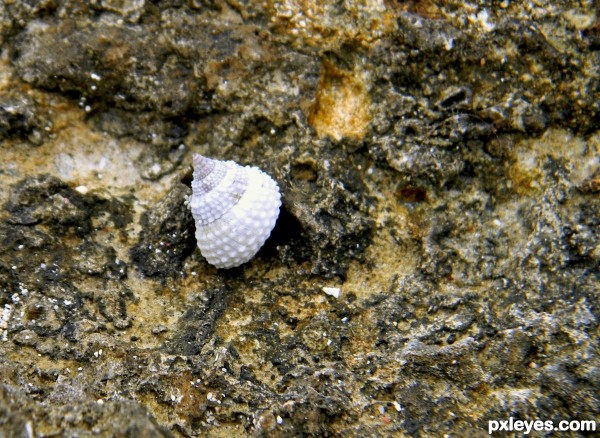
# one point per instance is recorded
(235, 209)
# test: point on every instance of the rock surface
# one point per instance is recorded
(439, 163)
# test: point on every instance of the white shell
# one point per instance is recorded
(235, 208)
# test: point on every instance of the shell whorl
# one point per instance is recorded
(234, 207)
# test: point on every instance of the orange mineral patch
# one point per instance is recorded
(342, 105)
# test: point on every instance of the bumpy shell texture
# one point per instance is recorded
(235, 208)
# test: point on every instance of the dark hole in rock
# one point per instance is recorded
(177, 129)
(34, 312)
(304, 172)
(187, 177)
(454, 99)
(410, 130)
(411, 194)
(404, 79)
(264, 125)
(591, 36)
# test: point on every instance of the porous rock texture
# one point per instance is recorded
(438, 162)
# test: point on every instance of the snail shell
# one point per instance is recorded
(235, 208)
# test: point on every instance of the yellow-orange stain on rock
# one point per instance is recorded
(342, 106)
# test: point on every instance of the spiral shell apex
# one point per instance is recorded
(235, 208)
